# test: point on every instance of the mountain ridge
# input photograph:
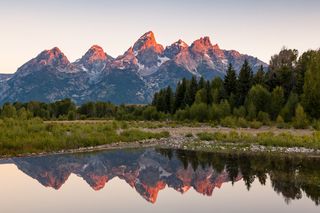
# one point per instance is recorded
(131, 78)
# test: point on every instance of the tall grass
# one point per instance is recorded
(34, 136)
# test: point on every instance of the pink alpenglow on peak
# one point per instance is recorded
(95, 53)
(202, 45)
(148, 41)
(52, 57)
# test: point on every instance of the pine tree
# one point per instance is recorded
(244, 82)
(259, 77)
(168, 100)
(202, 83)
(217, 90)
(207, 90)
(180, 95)
(230, 81)
(192, 88)
(311, 89)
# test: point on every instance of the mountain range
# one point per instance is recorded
(130, 78)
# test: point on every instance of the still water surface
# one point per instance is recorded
(152, 180)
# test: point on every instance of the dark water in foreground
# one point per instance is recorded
(149, 180)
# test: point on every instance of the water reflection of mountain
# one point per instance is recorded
(150, 171)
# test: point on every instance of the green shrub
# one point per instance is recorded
(316, 124)
(199, 112)
(240, 112)
(255, 124)
(151, 113)
(264, 118)
(229, 121)
(242, 122)
(300, 120)
(280, 122)
(252, 112)
(206, 136)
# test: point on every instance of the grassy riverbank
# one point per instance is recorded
(34, 136)
(23, 137)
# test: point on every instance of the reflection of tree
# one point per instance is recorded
(289, 176)
(166, 152)
(246, 170)
(232, 168)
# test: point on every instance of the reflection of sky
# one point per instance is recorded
(254, 27)
(21, 193)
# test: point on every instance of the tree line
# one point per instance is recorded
(66, 109)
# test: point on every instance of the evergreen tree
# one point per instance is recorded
(259, 77)
(168, 100)
(208, 95)
(202, 83)
(230, 81)
(180, 95)
(192, 88)
(244, 82)
(311, 89)
(277, 102)
(217, 90)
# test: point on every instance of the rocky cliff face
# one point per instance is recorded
(132, 77)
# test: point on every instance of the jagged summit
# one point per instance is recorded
(147, 41)
(181, 43)
(175, 48)
(95, 53)
(52, 57)
(202, 45)
(128, 59)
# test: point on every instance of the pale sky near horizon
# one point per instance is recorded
(252, 27)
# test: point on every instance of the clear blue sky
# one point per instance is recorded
(253, 27)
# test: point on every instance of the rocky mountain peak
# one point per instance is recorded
(147, 41)
(95, 53)
(52, 57)
(216, 47)
(202, 45)
(126, 60)
(181, 44)
(175, 48)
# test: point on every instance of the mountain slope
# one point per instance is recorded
(132, 77)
